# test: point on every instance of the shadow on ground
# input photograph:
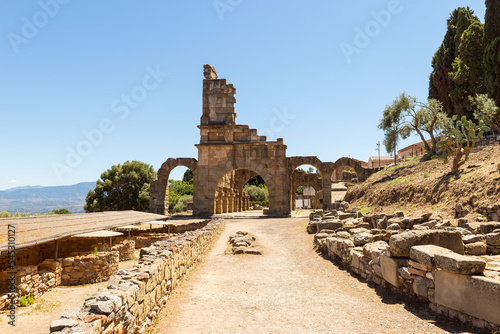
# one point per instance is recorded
(411, 303)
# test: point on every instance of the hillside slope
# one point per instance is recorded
(38, 199)
(417, 187)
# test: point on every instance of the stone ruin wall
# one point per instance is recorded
(427, 261)
(37, 272)
(227, 150)
(133, 298)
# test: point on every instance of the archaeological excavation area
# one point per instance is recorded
(332, 269)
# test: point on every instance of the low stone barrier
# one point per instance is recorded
(145, 239)
(125, 249)
(31, 281)
(92, 268)
(133, 298)
(428, 263)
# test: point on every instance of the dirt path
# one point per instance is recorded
(288, 289)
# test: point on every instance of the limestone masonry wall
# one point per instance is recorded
(420, 256)
(133, 298)
(125, 250)
(92, 268)
(30, 281)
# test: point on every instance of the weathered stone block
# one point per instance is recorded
(476, 248)
(60, 324)
(459, 264)
(370, 248)
(421, 286)
(425, 254)
(390, 267)
(400, 244)
(493, 239)
(475, 295)
(471, 238)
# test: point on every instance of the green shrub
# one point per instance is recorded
(60, 212)
(27, 300)
(257, 193)
(179, 203)
(261, 203)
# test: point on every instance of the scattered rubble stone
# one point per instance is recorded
(244, 243)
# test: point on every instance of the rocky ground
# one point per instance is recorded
(290, 288)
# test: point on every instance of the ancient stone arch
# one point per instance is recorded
(159, 188)
(230, 154)
(301, 178)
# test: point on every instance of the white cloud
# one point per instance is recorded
(13, 181)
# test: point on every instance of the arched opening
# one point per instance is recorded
(240, 190)
(344, 174)
(180, 190)
(306, 197)
(307, 188)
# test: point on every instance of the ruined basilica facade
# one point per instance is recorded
(229, 155)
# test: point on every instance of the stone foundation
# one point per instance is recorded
(31, 281)
(91, 268)
(423, 262)
(125, 250)
(133, 298)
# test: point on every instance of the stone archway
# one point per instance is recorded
(159, 188)
(326, 172)
(226, 146)
(301, 178)
(229, 194)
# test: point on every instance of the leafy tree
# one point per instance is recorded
(300, 190)
(486, 109)
(179, 193)
(122, 187)
(256, 193)
(441, 83)
(188, 176)
(468, 72)
(405, 116)
(256, 181)
(60, 212)
(460, 137)
(492, 49)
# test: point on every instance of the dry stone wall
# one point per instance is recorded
(125, 249)
(421, 256)
(92, 268)
(133, 298)
(31, 281)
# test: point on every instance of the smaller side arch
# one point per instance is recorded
(158, 199)
(301, 178)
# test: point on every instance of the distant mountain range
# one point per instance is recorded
(38, 199)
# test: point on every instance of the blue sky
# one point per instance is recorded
(89, 84)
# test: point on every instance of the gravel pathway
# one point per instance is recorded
(289, 289)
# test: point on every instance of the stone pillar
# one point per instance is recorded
(224, 202)
(246, 203)
(158, 202)
(237, 203)
(218, 201)
(327, 191)
(230, 201)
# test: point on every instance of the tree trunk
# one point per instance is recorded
(424, 142)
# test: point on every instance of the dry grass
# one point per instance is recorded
(417, 187)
